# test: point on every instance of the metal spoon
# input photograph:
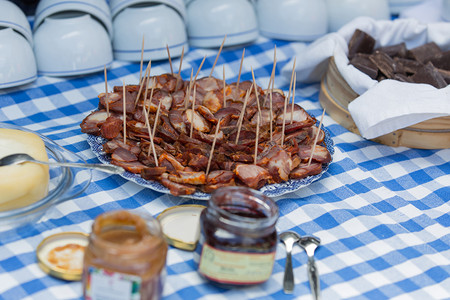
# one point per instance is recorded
(289, 238)
(19, 158)
(310, 245)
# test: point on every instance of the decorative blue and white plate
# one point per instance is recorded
(270, 190)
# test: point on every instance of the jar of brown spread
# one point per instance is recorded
(125, 257)
(238, 238)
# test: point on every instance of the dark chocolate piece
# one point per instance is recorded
(442, 61)
(360, 42)
(429, 74)
(398, 50)
(409, 66)
(425, 52)
(445, 74)
(364, 64)
(384, 63)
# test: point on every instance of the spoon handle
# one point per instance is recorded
(288, 280)
(313, 275)
(112, 169)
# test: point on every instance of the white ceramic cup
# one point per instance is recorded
(160, 25)
(118, 5)
(17, 62)
(446, 10)
(340, 12)
(397, 6)
(11, 16)
(292, 20)
(69, 44)
(96, 8)
(211, 20)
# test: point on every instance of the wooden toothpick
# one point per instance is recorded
(317, 137)
(192, 112)
(179, 68)
(106, 94)
(170, 59)
(256, 140)
(152, 144)
(241, 116)
(212, 147)
(146, 74)
(293, 99)
(239, 75)
(217, 57)
(124, 100)
(224, 86)
(256, 94)
(272, 75)
(142, 59)
(271, 113)
(199, 68)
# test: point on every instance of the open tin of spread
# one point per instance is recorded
(61, 255)
(181, 225)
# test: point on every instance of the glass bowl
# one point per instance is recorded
(65, 183)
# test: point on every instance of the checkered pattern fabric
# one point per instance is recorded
(382, 213)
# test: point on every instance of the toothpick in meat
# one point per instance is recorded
(147, 73)
(212, 147)
(317, 136)
(271, 112)
(239, 75)
(142, 59)
(106, 94)
(256, 94)
(241, 116)
(170, 59)
(188, 91)
(152, 144)
(272, 75)
(124, 101)
(157, 113)
(224, 86)
(256, 140)
(284, 121)
(192, 112)
(217, 57)
(293, 98)
(179, 68)
(199, 68)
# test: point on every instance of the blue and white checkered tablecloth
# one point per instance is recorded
(382, 213)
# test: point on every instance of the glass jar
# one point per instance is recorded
(125, 257)
(238, 238)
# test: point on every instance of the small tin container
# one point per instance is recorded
(238, 238)
(181, 225)
(61, 255)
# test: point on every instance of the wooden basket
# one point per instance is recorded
(336, 94)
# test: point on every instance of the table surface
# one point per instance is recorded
(381, 212)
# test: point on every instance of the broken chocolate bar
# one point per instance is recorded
(364, 64)
(425, 52)
(384, 63)
(360, 42)
(429, 74)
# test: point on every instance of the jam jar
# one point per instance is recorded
(125, 257)
(238, 237)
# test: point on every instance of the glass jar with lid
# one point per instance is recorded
(238, 238)
(125, 257)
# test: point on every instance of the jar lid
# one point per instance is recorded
(181, 225)
(61, 255)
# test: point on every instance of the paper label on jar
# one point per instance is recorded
(235, 267)
(104, 284)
